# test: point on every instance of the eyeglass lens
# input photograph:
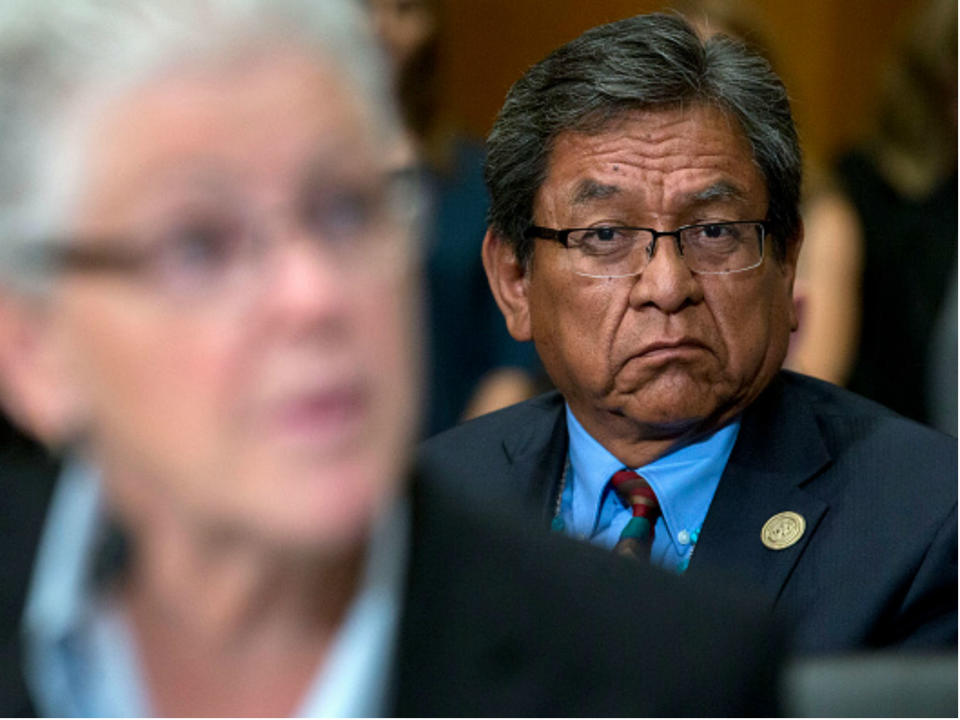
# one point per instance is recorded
(716, 248)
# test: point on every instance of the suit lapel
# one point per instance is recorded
(778, 450)
(536, 454)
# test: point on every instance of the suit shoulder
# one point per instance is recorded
(875, 441)
(481, 434)
(829, 398)
(834, 405)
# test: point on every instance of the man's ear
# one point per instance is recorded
(790, 270)
(35, 391)
(509, 283)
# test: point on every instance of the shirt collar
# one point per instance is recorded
(684, 480)
(58, 593)
(592, 464)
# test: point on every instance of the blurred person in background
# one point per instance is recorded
(208, 295)
(902, 184)
(473, 366)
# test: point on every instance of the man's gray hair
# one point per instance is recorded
(61, 61)
(644, 62)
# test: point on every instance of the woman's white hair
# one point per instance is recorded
(62, 60)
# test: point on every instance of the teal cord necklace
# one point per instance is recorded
(557, 524)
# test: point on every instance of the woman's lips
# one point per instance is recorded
(321, 416)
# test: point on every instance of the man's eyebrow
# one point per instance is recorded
(587, 190)
(721, 190)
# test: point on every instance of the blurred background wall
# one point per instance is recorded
(827, 51)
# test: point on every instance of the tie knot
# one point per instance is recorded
(636, 493)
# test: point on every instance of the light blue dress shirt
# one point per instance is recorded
(684, 481)
(81, 656)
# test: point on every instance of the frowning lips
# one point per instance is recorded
(669, 349)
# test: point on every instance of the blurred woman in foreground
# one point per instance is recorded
(210, 300)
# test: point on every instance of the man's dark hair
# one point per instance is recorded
(644, 62)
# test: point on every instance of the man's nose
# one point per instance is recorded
(666, 282)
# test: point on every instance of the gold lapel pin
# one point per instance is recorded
(783, 530)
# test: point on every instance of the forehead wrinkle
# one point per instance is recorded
(719, 191)
(589, 190)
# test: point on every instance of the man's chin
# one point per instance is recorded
(670, 415)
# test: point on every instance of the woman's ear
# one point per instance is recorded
(35, 390)
(508, 280)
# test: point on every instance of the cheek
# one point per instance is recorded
(780, 322)
(754, 326)
(574, 326)
(388, 341)
(152, 380)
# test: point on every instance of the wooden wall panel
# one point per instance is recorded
(828, 51)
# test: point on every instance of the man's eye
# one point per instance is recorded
(602, 234)
(605, 236)
(717, 232)
(605, 241)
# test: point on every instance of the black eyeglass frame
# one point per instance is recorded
(562, 235)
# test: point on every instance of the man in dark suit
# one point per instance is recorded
(208, 306)
(644, 233)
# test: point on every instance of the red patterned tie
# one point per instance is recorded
(637, 537)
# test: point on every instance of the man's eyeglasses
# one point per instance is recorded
(613, 252)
